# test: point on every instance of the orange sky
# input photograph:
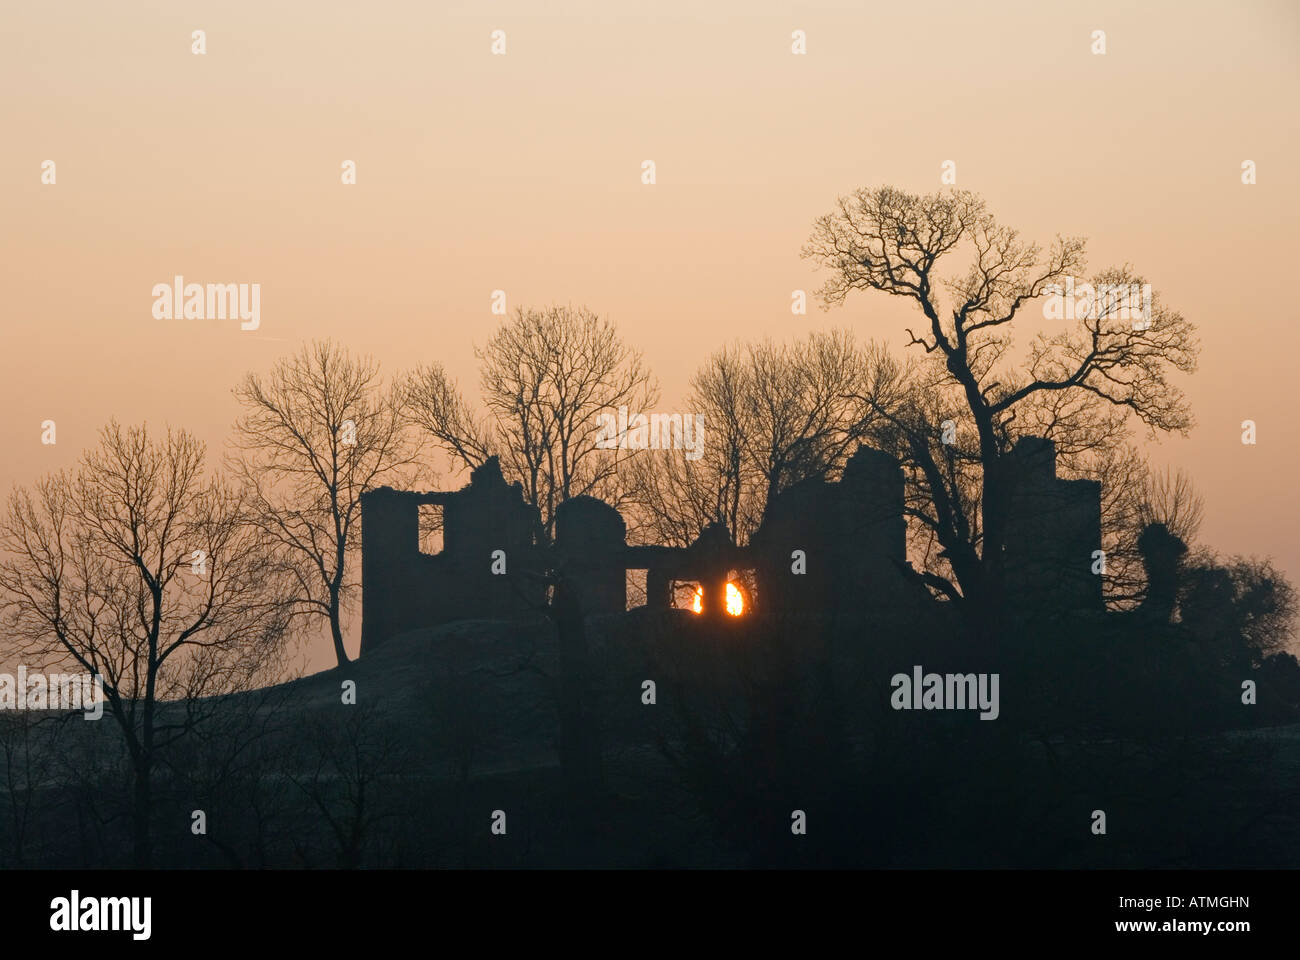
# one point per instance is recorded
(522, 172)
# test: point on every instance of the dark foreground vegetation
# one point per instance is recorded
(752, 720)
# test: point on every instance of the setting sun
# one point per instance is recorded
(735, 600)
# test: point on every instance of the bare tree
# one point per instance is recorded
(802, 414)
(143, 571)
(778, 414)
(895, 242)
(675, 498)
(925, 424)
(345, 766)
(234, 762)
(1170, 497)
(547, 376)
(320, 430)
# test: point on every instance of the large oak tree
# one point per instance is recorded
(976, 285)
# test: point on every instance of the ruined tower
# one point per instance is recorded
(590, 539)
(1053, 528)
(852, 534)
(487, 527)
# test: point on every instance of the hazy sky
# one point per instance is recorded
(522, 172)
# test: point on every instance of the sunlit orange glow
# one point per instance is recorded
(735, 600)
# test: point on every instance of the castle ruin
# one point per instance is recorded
(850, 536)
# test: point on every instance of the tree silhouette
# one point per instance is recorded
(547, 375)
(100, 569)
(897, 243)
(319, 431)
(777, 413)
